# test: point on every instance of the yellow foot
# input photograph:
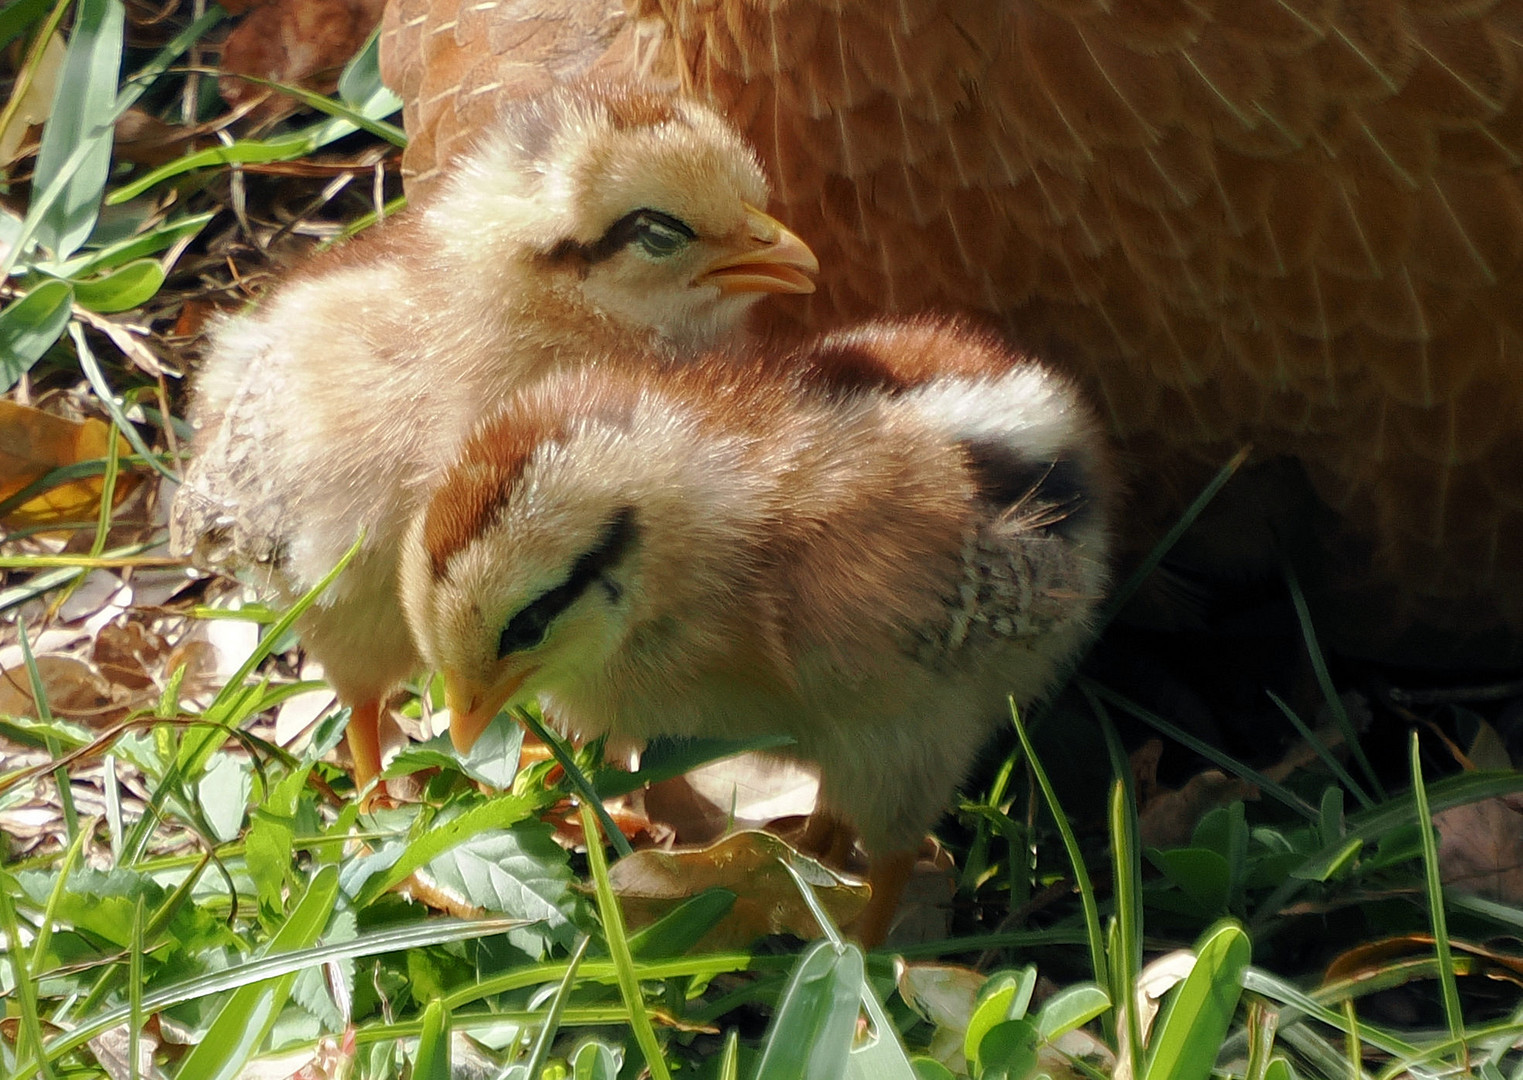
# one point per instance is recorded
(366, 719)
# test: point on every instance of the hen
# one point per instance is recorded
(1296, 223)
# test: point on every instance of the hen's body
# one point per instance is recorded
(1292, 222)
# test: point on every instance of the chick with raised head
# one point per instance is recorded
(861, 549)
(593, 223)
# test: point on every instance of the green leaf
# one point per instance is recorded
(435, 838)
(121, 290)
(1203, 876)
(931, 1069)
(121, 252)
(520, 872)
(1197, 1012)
(1004, 997)
(433, 1061)
(1008, 1050)
(29, 326)
(1070, 1009)
(82, 115)
(881, 1054)
(242, 1023)
(811, 1032)
(1329, 864)
(594, 1061)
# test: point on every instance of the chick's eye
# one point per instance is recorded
(527, 629)
(659, 240)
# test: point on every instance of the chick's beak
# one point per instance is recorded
(770, 259)
(473, 705)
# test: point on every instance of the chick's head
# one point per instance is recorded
(588, 529)
(641, 208)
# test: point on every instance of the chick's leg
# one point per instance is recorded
(888, 876)
(364, 734)
(827, 838)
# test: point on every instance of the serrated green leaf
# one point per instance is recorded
(81, 116)
(1197, 1013)
(123, 289)
(29, 326)
(521, 872)
(438, 837)
(811, 1033)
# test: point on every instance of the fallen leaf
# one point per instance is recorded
(750, 864)
(1480, 849)
(32, 444)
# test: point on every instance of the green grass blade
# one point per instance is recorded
(84, 109)
(45, 714)
(618, 948)
(1082, 880)
(433, 1060)
(1320, 749)
(1325, 680)
(1190, 1031)
(29, 1042)
(565, 759)
(135, 992)
(244, 1020)
(537, 1057)
(45, 197)
(1434, 886)
(1124, 942)
(112, 403)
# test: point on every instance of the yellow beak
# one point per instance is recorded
(473, 706)
(771, 259)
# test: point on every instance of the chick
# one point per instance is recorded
(593, 222)
(865, 546)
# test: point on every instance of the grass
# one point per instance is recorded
(198, 898)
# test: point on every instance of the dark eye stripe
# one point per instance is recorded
(620, 234)
(527, 628)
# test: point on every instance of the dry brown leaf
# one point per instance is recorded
(33, 443)
(73, 689)
(1480, 849)
(750, 864)
(1382, 957)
